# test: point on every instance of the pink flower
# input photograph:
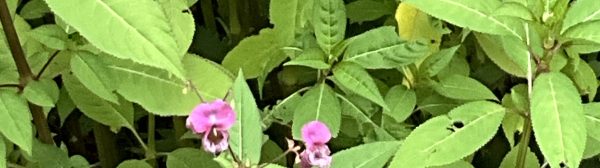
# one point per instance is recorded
(315, 135)
(212, 119)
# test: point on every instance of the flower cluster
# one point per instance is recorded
(315, 136)
(213, 120)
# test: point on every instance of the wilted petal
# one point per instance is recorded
(215, 141)
(315, 133)
(216, 114)
(317, 155)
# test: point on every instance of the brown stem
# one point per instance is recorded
(24, 70)
(39, 75)
(11, 85)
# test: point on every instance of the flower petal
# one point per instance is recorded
(315, 133)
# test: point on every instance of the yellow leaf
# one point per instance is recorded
(416, 25)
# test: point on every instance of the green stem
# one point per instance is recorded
(39, 75)
(25, 74)
(524, 143)
(106, 143)
(208, 15)
(151, 152)
(234, 22)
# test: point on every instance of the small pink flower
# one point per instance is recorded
(315, 135)
(212, 119)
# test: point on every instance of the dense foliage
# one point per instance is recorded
(299, 83)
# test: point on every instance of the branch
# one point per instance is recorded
(46, 65)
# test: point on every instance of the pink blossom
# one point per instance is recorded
(315, 136)
(212, 119)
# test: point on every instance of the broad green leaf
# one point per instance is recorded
(270, 150)
(313, 58)
(500, 56)
(416, 25)
(256, 55)
(592, 148)
(436, 62)
(43, 92)
(584, 78)
(366, 10)
(319, 103)
(246, 134)
(181, 21)
(45, 155)
(592, 119)
(472, 14)
(51, 36)
(2, 152)
(167, 95)
(98, 109)
(34, 9)
(283, 14)
(374, 154)
(512, 122)
(140, 31)
(94, 74)
(329, 22)
(350, 109)
(190, 158)
(78, 161)
(463, 88)
(134, 164)
(458, 66)
(581, 11)
(435, 104)
(514, 9)
(448, 138)
(401, 102)
(381, 48)
(16, 120)
(585, 31)
(556, 117)
(457, 164)
(510, 160)
(358, 80)
(59, 64)
(64, 105)
(284, 110)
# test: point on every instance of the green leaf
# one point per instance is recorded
(463, 88)
(472, 14)
(51, 36)
(98, 109)
(134, 164)
(381, 48)
(457, 164)
(374, 154)
(329, 21)
(256, 55)
(501, 57)
(584, 77)
(140, 31)
(585, 31)
(401, 101)
(189, 158)
(366, 10)
(414, 24)
(168, 96)
(592, 119)
(556, 117)
(312, 58)
(448, 138)
(592, 148)
(270, 150)
(438, 61)
(181, 22)
(43, 92)
(34, 9)
(283, 14)
(79, 161)
(510, 160)
(581, 11)
(16, 120)
(2, 152)
(45, 155)
(246, 134)
(350, 109)
(64, 105)
(319, 103)
(94, 74)
(358, 80)
(514, 9)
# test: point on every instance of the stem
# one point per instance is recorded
(24, 70)
(107, 146)
(524, 143)
(277, 158)
(151, 152)
(193, 87)
(10, 85)
(234, 157)
(208, 15)
(139, 139)
(234, 22)
(46, 65)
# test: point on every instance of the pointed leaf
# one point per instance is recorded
(42, 92)
(246, 133)
(140, 31)
(94, 75)
(329, 21)
(401, 102)
(51, 36)
(438, 61)
(134, 164)
(256, 55)
(381, 48)
(350, 109)
(592, 119)
(463, 88)
(510, 160)
(313, 58)
(319, 103)
(358, 80)
(556, 117)
(181, 22)
(581, 11)
(46, 155)
(190, 158)
(457, 164)
(34, 9)
(448, 138)
(501, 57)
(583, 76)
(366, 10)
(473, 14)
(16, 120)
(374, 154)
(414, 24)
(585, 31)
